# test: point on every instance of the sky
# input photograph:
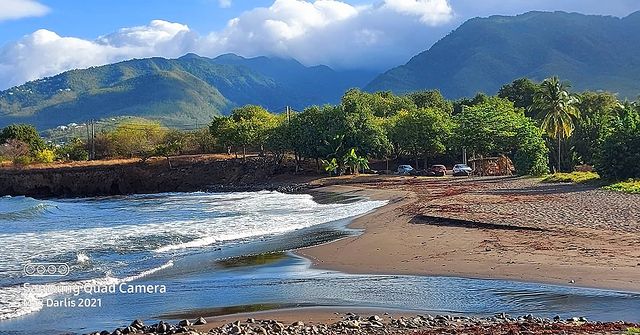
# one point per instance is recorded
(41, 38)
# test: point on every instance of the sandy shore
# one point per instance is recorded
(530, 231)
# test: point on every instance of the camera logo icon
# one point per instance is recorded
(46, 269)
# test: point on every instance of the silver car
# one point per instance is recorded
(404, 169)
(461, 169)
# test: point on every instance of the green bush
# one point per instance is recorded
(74, 150)
(619, 154)
(629, 186)
(532, 155)
(22, 160)
(573, 177)
(45, 156)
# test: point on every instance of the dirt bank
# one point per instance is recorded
(184, 174)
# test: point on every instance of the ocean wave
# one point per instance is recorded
(17, 301)
(24, 208)
(123, 234)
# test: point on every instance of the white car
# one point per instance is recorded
(404, 169)
(461, 169)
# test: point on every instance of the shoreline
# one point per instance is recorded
(392, 243)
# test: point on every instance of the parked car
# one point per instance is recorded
(438, 170)
(404, 169)
(462, 170)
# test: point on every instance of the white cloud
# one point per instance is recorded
(334, 32)
(430, 11)
(17, 9)
(45, 53)
(328, 32)
(224, 3)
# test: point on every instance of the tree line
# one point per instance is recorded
(540, 126)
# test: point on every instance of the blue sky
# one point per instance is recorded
(44, 37)
(92, 18)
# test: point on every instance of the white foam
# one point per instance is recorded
(163, 225)
(18, 301)
(82, 258)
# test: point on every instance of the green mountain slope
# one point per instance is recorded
(593, 52)
(179, 92)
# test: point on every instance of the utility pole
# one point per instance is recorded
(93, 140)
(288, 109)
(88, 137)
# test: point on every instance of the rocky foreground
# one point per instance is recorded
(421, 324)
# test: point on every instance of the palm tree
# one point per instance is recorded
(557, 109)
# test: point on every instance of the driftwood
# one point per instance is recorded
(492, 166)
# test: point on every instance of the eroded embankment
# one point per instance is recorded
(184, 174)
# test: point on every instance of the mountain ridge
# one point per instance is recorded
(592, 51)
(187, 90)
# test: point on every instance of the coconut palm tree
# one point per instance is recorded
(557, 109)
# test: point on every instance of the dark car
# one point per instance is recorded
(438, 170)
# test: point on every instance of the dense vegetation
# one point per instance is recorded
(181, 93)
(537, 125)
(594, 52)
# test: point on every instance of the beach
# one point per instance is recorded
(505, 228)
(458, 254)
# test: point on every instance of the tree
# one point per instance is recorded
(223, 130)
(598, 111)
(421, 133)
(74, 150)
(532, 155)
(137, 138)
(25, 133)
(381, 104)
(431, 99)
(460, 104)
(251, 126)
(14, 149)
(521, 92)
(497, 127)
(558, 109)
(487, 128)
(619, 153)
(282, 138)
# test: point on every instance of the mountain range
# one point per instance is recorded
(592, 52)
(182, 93)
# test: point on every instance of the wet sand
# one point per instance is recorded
(509, 228)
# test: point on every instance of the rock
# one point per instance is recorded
(162, 327)
(298, 324)
(200, 321)
(130, 330)
(557, 318)
(375, 318)
(117, 332)
(250, 320)
(138, 324)
(351, 324)
(184, 323)
(104, 332)
(235, 330)
(277, 326)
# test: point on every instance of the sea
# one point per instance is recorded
(74, 266)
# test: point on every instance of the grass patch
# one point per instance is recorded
(629, 186)
(573, 177)
(633, 331)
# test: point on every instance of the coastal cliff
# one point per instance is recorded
(184, 174)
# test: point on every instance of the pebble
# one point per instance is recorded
(500, 323)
